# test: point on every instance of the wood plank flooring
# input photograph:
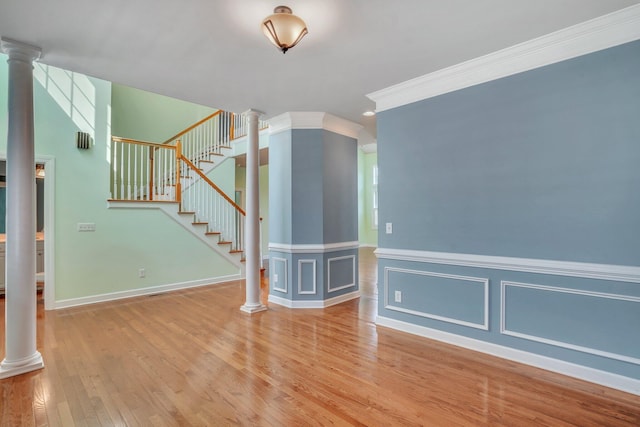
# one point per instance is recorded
(192, 358)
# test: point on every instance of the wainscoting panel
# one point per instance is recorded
(341, 273)
(597, 323)
(280, 270)
(307, 278)
(461, 300)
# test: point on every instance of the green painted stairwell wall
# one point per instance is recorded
(94, 266)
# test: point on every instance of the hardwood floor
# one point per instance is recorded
(192, 358)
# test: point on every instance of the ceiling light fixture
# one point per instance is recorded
(283, 28)
(369, 113)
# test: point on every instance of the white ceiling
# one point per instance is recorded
(212, 52)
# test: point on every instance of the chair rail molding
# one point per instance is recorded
(620, 273)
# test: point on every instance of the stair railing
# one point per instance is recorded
(213, 207)
(206, 137)
(144, 171)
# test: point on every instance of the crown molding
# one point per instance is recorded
(606, 31)
(314, 120)
(369, 148)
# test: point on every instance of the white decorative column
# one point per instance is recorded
(20, 298)
(252, 225)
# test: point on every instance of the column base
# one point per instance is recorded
(253, 308)
(22, 366)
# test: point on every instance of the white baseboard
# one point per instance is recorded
(314, 304)
(585, 373)
(367, 245)
(160, 289)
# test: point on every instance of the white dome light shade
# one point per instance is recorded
(283, 28)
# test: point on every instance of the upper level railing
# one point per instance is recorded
(211, 135)
(143, 171)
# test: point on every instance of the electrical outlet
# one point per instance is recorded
(142, 273)
(398, 296)
(86, 226)
(275, 277)
(389, 228)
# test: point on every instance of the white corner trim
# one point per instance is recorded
(596, 376)
(314, 120)
(160, 289)
(596, 34)
(315, 303)
(619, 273)
(312, 249)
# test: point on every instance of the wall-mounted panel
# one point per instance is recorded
(597, 323)
(307, 278)
(341, 272)
(461, 300)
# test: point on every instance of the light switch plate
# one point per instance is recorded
(389, 228)
(86, 226)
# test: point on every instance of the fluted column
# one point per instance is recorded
(252, 225)
(20, 298)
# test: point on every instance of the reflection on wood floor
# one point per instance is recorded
(192, 358)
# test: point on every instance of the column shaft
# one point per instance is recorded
(252, 225)
(20, 308)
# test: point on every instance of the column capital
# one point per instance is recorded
(253, 113)
(20, 51)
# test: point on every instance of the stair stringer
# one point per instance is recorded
(171, 209)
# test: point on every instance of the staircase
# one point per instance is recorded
(175, 174)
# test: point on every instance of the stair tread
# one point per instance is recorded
(199, 223)
(206, 161)
(224, 242)
(186, 213)
(213, 153)
(235, 251)
(226, 146)
(213, 232)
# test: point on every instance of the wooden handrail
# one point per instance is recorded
(138, 142)
(215, 187)
(173, 138)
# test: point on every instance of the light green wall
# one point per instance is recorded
(107, 260)
(147, 116)
(367, 234)
(264, 200)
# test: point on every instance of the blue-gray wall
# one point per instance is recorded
(544, 165)
(313, 187)
(313, 200)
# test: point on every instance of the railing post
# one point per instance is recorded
(232, 131)
(178, 182)
(152, 150)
